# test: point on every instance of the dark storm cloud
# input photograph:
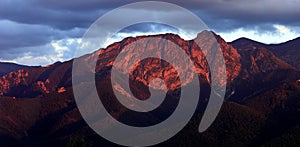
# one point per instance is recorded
(67, 14)
(22, 35)
(24, 12)
(80, 5)
(225, 15)
(26, 24)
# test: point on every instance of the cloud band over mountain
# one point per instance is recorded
(35, 32)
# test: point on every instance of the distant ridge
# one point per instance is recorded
(288, 51)
(6, 67)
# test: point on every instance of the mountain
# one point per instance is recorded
(38, 106)
(32, 82)
(288, 51)
(6, 68)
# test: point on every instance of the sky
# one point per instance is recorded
(41, 32)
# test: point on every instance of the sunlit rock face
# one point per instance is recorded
(147, 69)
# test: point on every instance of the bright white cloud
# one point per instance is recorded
(34, 60)
(59, 50)
(282, 34)
(282, 29)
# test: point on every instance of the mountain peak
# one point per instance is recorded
(206, 33)
(128, 40)
(244, 40)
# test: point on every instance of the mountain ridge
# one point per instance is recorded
(7, 67)
(49, 81)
